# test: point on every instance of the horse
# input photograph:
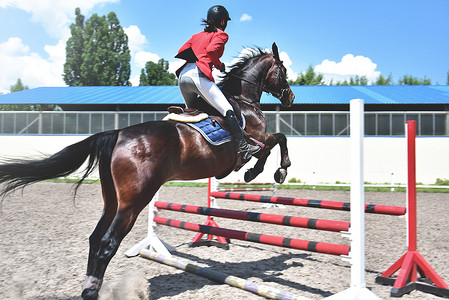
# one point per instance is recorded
(136, 161)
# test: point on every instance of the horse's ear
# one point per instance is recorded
(275, 51)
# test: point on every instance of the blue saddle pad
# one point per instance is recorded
(213, 132)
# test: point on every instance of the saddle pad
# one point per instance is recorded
(212, 132)
(185, 118)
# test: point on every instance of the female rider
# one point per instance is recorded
(202, 52)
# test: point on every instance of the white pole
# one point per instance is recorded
(358, 288)
(357, 195)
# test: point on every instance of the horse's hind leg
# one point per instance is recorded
(130, 205)
(109, 212)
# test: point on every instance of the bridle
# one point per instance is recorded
(278, 95)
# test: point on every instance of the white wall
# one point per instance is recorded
(314, 159)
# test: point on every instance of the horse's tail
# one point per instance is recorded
(15, 173)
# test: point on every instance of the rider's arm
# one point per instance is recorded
(216, 48)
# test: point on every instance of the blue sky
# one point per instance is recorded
(338, 38)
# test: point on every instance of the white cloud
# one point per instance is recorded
(142, 57)
(348, 67)
(54, 15)
(245, 18)
(136, 40)
(14, 47)
(173, 66)
(18, 62)
(291, 75)
(135, 80)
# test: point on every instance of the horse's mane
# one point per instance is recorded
(242, 60)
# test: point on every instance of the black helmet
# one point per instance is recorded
(218, 13)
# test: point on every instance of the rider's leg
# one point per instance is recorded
(213, 95)
(236, 131)
(189, 91)
(192, 82)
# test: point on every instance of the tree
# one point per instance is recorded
(381, 80)
(74, 51)
(410, 80)
(447, 82)
(308, 78)
(358, 80)
(97, 53)
(157, 74)
(18, 86)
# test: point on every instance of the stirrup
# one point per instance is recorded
(248, 150)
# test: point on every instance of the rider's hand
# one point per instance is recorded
(223, 68)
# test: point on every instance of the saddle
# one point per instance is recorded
(187, 115)
(212, 127)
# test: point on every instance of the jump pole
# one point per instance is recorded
(412, 261)
(247, 285)
(333, 205)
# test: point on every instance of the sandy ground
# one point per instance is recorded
(44, 246)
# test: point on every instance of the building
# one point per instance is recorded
(317, 110)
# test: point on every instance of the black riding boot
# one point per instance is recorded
(236, 131)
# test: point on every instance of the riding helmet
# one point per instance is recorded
(218, 13)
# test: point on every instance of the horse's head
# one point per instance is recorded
(276, 80)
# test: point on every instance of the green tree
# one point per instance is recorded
(97, 53)
(358, 80)
(447, 81)
(308, 78)
(381, 80)
(157, 74)
(74, 51)
(410, 80)
(18, 86)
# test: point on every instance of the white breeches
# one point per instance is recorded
(192, 82)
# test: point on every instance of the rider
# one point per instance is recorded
(202, 52)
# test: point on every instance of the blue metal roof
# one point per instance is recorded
(387, 94)
(372, 94)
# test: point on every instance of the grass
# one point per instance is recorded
(282, 186)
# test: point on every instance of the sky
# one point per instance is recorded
(339, 39)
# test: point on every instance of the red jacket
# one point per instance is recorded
(208, 48)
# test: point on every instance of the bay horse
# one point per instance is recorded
(136, 161)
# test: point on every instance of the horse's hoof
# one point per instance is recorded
(89, 294)
(248, 176)
(91, 287)
(280, 175)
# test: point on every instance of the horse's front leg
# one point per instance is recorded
(281, 172)
(252, 173)
(271, 141)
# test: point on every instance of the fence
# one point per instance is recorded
(289, 123)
